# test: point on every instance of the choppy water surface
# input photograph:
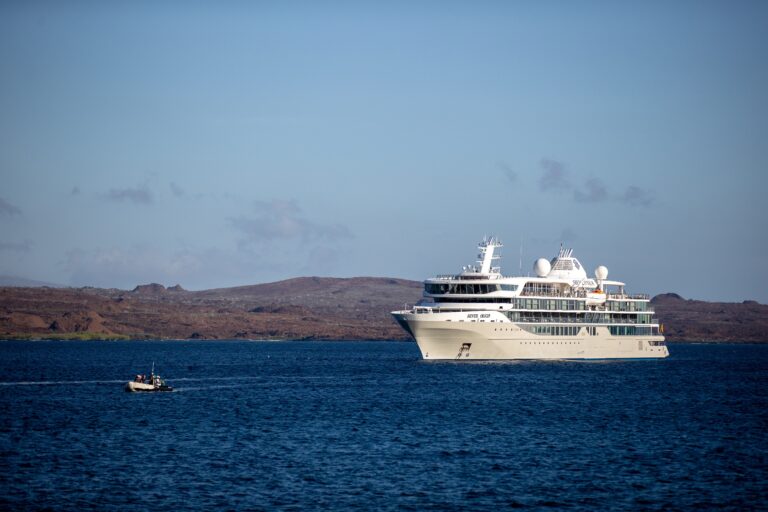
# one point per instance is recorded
(368, 425)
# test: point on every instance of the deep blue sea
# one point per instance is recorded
(362, 425)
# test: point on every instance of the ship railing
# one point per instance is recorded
(582, 294)
(583, 320)
(564, 295)
(473, 277)
(636, 296)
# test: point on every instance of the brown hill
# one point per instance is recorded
(301, 308)
(696, 320)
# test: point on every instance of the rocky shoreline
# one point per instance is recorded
(307, 308)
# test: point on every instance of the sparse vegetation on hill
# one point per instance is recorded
(302, 308)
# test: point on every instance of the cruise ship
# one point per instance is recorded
(561, 313)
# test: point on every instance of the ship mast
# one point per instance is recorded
(487, 248)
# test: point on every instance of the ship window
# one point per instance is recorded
(434, 288)
(467, 289)
(562, 264)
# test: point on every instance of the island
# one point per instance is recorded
(304, 308)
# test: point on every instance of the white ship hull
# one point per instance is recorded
(439, 339)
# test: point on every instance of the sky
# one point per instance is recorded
(216, 144)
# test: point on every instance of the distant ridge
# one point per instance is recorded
(155, 288)
(24, 282)
(698, 320)
(665, 297)
(298, 308)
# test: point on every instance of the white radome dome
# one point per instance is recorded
(601, 272)
(542, 267)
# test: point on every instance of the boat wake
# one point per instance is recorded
(59, 382)
(201, 379)
(206, 388)
(122, 381)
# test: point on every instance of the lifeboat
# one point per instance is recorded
(595, 297)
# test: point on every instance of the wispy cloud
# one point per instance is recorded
(177, 190)
(510, 173)
(126, 267)
(636, 196)
(554, 176)
(278, 219)
(138, 195)
(192, 267)
(7, 209)
(594, 191)
(25, 246)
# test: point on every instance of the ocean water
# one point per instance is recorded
(334, 425)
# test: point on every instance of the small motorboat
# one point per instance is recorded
(151, 383)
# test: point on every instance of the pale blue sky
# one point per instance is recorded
(229, 143)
